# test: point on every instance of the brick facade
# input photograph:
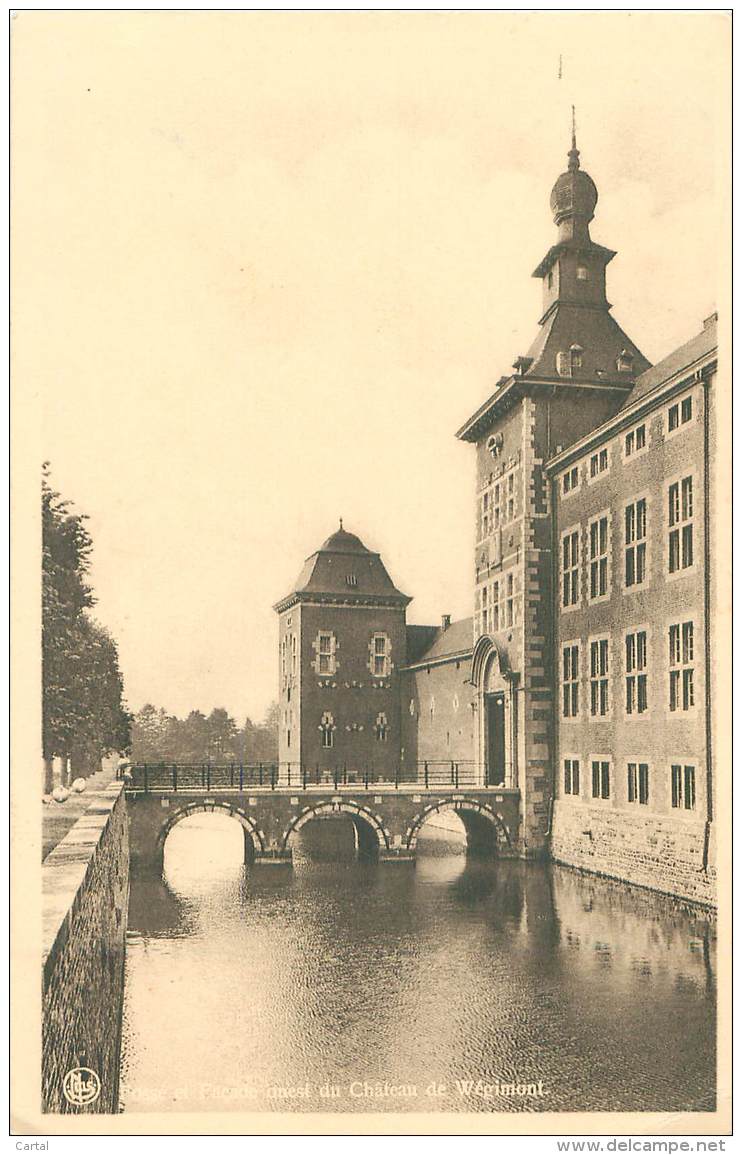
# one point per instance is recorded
(652, 616)
(583, 680)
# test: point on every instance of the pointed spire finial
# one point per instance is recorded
(341, 523)
(573, 154)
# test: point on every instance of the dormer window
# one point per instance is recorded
(351, 579)
(575, 357)
(582, 273)
(550, 279)
(563, 366)
(625, 361)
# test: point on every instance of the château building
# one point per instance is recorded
(583, 682)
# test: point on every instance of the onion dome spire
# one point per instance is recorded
(574, 196)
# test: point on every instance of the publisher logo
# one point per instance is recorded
(81, 1086)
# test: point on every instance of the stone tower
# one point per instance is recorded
(342, 642)
(576, 374)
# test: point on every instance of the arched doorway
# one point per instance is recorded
(497, 731)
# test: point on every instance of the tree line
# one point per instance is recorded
(157, 736)
(83, 712)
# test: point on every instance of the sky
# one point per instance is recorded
(267, 264)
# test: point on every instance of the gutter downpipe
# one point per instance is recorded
(707, 623)
(553, 611)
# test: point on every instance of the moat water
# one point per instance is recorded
(453, 985)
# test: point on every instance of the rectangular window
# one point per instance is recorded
(485, 610)
(679, 414)
(635, 541)
(638, 782)
(509, 600)
(683, 787)
(380, 655)
(328, 738)
(571, 480)
(680, 522)
(570, 568)
(495, 607)
(511, 497)
(599, 698)
(635, 440)
(571, 681)
(293, 655)
(598, 463)
(601, 779)
(571, 776)
(681, 666)
(598, 558)
(325, 654)
(485, 516)
(636, 672)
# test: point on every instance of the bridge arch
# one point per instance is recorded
(372, 834)
(485, 827)
(252, 834)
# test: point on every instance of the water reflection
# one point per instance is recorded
(342, 985)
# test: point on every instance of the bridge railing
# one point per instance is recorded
(239, 776)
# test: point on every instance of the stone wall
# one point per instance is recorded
(661, 853)
(85, 885)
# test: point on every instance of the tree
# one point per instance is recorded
(82, 692)
(222, 736)
(105, 725)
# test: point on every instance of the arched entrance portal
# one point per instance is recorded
(486, 831)
(497, 735)
(371, 838)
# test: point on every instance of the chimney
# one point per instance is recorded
(445, 621)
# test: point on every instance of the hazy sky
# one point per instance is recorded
(267, 264)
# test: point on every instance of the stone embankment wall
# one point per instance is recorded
(85, 883)
(664, 854)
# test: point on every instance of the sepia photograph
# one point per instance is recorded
(371, 452)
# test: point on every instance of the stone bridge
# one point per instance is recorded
(387, 819)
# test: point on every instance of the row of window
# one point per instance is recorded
(637, 779)
(328, 729)
(634, 543)
(326, 662)
(497, 505)
(497, 605)
(680, 670)
(432, 705)
(570, 361)
(634, 443)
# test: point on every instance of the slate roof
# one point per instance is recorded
(432, 643)
(600, 336)
(695, 349)
(344, 568)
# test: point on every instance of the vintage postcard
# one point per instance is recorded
(371, 443)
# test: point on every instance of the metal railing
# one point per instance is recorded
(239, 776)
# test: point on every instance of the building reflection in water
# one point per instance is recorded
(455, 969)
